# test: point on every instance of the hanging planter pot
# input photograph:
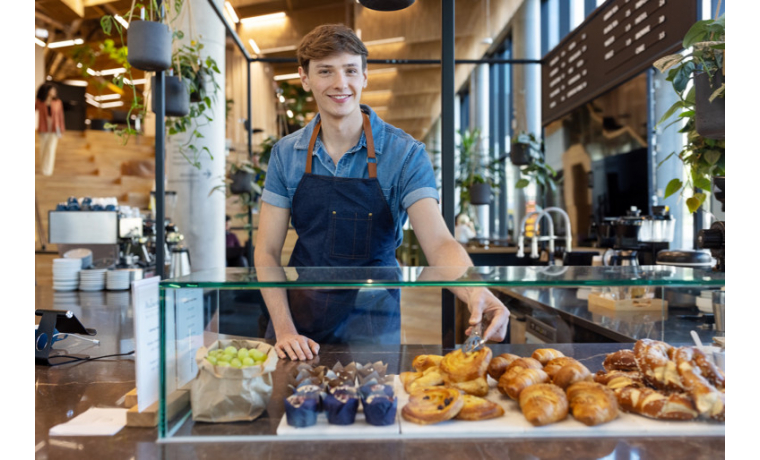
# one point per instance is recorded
(242, 182)
(149, 45)
(176, 96)
(520, 154)
(386, 5)
(719, 188)
(710, 117)
(480, 193)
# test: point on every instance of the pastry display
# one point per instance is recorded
(432, 405)
(543, 403)
(544, 355)
(513, 383)
(476, 408)
(592, 403)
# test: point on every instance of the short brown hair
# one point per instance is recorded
(329, 39)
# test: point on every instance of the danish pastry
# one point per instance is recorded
(571, 373)
(498, 365)
(622, 360)
(543, 403)
(708, 399)
(592, 403)
(654, 361)
(459, 366)
(423, 362)
(513, 384)
(432, 405)
(544, 355)
(430, 377)
(475, 387)
(476, 408)
(653, 404)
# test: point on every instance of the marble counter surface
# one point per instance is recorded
(66, 391)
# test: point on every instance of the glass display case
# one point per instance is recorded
(586, 312)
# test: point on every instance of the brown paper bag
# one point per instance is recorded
(228, 394)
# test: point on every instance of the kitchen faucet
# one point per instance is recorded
(569, 234)
(535, 238)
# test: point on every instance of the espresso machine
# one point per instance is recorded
(634, 239)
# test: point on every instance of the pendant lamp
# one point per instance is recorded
(386, 5)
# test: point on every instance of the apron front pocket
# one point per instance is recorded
(350, 235)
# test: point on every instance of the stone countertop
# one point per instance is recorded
(65, 391)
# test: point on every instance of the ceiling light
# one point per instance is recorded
(231, 11)
(139, 81)
(278, 49)
(91, 72)
(254, 46)
(384, 41)
(108, 97)
(92, 102)
(290, 113)
(281, 99)
(286, 76)
(39, 42)
(262, 18)
(108, 105)
(41, 33)
(121, 20)
(75, 83)
(116, 71)
(61, 44)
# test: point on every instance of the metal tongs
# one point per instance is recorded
(474, 341)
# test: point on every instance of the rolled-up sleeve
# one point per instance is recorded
(417, 180)
(275, 186)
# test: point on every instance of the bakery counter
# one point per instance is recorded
(63, 392)
(569, 318)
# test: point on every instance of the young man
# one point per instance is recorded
(349, 180)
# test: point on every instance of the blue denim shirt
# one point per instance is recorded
(404, 169)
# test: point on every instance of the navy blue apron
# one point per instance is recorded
(344, 222)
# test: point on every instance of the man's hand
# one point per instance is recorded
(296, 347)
(482, 303)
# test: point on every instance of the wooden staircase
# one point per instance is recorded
(93, 163)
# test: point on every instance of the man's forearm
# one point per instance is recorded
(276, 299)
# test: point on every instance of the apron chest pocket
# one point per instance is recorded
(350, 234)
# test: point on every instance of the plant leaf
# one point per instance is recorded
(522, 183)
(696, 33)
(693, 204)
(669, 113)
(682, 76)
(666, 62)
(673, 186)
(712, 156)
(666, 159)
(702, 182)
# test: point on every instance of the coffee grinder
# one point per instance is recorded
(637, 235)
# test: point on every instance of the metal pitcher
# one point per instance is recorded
(180, 262)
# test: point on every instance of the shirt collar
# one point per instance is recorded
(378, 133)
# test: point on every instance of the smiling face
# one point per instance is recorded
(336, 83)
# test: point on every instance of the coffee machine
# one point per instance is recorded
(636, 236)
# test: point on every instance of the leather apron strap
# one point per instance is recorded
(371, 159)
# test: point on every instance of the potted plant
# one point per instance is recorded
(524, 147)
(704, 66)
(295, 104)
(702, 108)
(476, 176)
(535, 168)
(149, 40)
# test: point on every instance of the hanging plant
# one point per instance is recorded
(536, 169)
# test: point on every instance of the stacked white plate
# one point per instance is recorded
(704, 301)
(66, 274)
(92, 280)
(84, 255)
(117, 280)
(117, 299)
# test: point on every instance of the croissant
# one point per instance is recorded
(512, 386)
(654, 362)
(543, 403)
(556, 364)
(622, 360)
(476, 408)
(498, 365)
(653, 404)
(432, 405)
(571, 373)
(592, 403)
(423, 362)
(708, 399)
(544, 355)
(417, 380)
(459, 366)
(525, 363)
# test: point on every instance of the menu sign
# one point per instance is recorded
(617, 41)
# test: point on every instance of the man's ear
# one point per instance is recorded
(304, 78)
(364, 85)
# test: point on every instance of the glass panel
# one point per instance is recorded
(294, 277)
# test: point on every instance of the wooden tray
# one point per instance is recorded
(632, 305)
